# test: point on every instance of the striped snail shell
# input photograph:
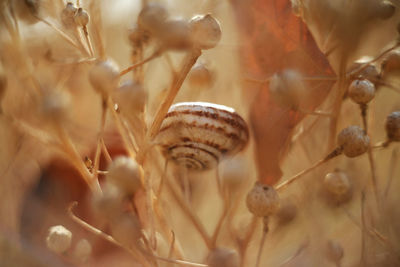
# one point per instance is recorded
(197, 135)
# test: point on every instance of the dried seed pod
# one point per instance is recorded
(197, 135)
(393, 126)
(337, 183)
(354, 141)
(58, 239)
(126, 228)
(152, 17)
(124, 173)
(55, 106)
(81, 17)
(68, 15)
(262, 200)
(391, 62)
(361, 91)
(334, 251)
(223, 257)
(205, 31)
(131, 98)
(287, 88)
(174, 35)
(82, 250)
(107, 205)
(200, 76)
(385, 10)
(104, 76)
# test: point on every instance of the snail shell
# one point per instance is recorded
(197, 135)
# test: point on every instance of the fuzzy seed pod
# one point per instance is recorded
(55, 106)
(391, 62)
(334, 251)
(205, 31)
(125, 174)
(82, 250)
(104, 76)
(262, 200)
(354, 141)
(200, 76)
(108, 205)
(385, 10)
(152, 17)
(68, 15)
(131, 98)
(174, 35)
(287, 88)
(223, 257)
(361, 91)
(58, 239)
(393, 126)
(337, 183)
(81, 17)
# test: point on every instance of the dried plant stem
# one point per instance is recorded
(260, 248)
(105, 152)
(317, 113)
(243, 244)
(88, 42)
(392, 166)
(100, 137)
(220, 222)
(188, 63)
(363, 241)
(298, 252)
(330, 156)
(188, 211)
(134, 66)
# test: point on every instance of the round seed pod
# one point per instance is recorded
(58, 239)
(200, 76)
(337, 183)
(68, 15)
(361, 91)
(131, 98)
(126, 228)
(56, 105)
(174, 34)
(223, 257)
(392, 126)
(385, 10)
(108, 205)
(125, 174)
(334, 251)
(287, 88)
(262, 200)
(391, 62)
(196, 135)
(104, 76)
(81, 17)
(82, 250)
(205, 31)
(152, 17)
(354, 141)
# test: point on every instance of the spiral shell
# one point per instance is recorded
(197, 135)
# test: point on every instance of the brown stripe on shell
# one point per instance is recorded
(216, 158)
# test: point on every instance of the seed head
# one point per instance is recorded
(56, 105)
(68, 15)
(354, 141)
(393, 126)
(58, 239)
(152, 17)
(361, 91)
(223, 257)
(131, 98)
(81, 17)
(337, 183)
(205, 31)
(200, 76)
(104, 76)
(262, 200)
(125, 174)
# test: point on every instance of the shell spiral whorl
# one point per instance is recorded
(197, 135)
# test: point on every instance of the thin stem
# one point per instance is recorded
(362, 259)
(260, 248)
(105, 152)
(392, 167)
(134, 66)
(245, 242)
(88, 42)
(100, 136)
(189, 61)
(220, 223)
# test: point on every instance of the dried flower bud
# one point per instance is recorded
(385, 10)
(337, 183)
(393, 126)
(205, 31)
(334, 251)
(124, 173)
(287, 88)
(262, 200)
(55, 105)
(223, 257)
(68, 15)
(201, 76)
(81, 17)
(152, 17)
(174, 35)
(391, 62)
(82, 250)
(354, 141)
(104, 76)
(58, 239)
(361, 91)
(131, 98)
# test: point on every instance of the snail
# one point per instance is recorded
(197, 135)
